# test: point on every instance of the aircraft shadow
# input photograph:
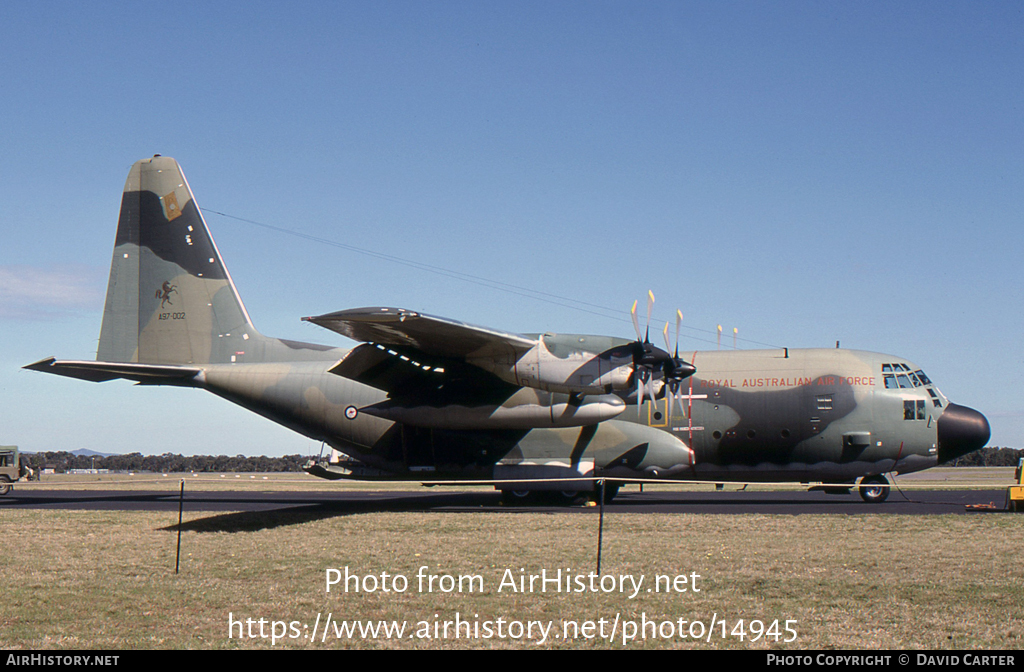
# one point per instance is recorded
(298, 511)
(292, 514)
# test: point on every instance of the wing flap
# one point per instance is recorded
(407, 375)
(374, 366)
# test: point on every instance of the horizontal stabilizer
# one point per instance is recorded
(98, 372)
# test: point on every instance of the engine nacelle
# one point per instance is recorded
(579, 372)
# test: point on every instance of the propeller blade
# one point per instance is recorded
(636, 322)
(679, 321)
(650, 307)
(678, 398)
(665, 332)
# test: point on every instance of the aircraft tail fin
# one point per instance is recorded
(170, 299)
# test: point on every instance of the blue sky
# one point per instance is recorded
(803, 171)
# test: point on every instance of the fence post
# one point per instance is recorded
(181, 504)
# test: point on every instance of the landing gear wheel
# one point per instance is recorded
(878, 490)
(568, 497)
(517, 497)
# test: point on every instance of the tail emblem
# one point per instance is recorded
(164, 294)
(171, 209)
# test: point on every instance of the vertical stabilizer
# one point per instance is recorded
(170, 299)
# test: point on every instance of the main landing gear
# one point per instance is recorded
(556, 497)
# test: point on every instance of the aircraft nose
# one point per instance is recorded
(961, 430)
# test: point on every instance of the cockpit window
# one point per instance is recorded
(897, 379)
(894, 378)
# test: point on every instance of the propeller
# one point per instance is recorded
(675, 370)
(647, 359)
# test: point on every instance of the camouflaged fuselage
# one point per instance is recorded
(772, 415)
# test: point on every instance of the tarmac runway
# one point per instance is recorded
(326, 502)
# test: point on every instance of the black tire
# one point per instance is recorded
(517, 497)
(877, 490)
(5, 485)
(568, 497)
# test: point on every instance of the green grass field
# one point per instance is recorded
(106, 579)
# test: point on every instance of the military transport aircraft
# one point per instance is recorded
(431, 399)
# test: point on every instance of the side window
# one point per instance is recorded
(890, 381)
(913, 409)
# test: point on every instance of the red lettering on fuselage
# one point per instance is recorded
(790, 382)
(721, 382)
(775, 382)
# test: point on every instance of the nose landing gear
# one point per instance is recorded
(874, 489)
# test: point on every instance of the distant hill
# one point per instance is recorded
(85, 452)
(81, 452)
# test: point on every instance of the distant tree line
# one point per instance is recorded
(168, 462)
(989, 457)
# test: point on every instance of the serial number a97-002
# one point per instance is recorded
(172, 316)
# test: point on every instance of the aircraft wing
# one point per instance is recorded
(433, 336)
(420, 357)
